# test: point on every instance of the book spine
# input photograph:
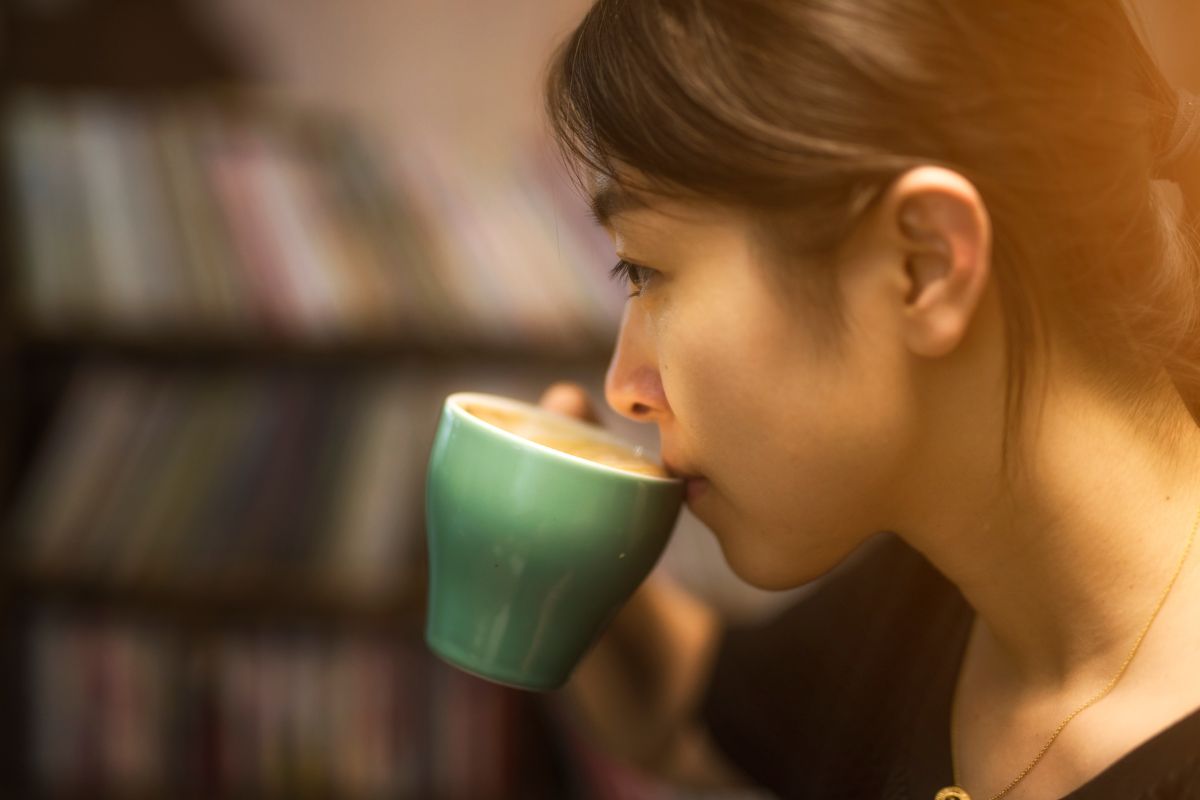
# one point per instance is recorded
(210, 271)
(229, 169)
(97, 128)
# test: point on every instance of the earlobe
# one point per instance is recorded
(945, 239)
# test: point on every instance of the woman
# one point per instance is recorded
(901, 266)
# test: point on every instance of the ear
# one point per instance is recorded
(944, 238)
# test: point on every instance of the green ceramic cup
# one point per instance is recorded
(532, 550)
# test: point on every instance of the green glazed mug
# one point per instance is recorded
(540, 527)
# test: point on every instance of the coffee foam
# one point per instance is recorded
(546, 431)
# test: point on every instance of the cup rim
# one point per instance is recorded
(456, 399)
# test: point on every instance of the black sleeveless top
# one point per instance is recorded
(846, 695)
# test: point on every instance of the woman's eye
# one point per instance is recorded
(631, 274)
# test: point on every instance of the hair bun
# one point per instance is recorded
(1182, 143)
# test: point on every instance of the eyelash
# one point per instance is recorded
(629, 273)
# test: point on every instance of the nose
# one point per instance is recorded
(633, 385)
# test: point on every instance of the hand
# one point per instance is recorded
(569, 399)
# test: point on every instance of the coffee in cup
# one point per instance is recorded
(546, 432)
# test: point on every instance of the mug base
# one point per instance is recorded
(455, 658)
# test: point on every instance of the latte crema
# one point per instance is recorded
(565, 440)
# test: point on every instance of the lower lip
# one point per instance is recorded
(695, 487)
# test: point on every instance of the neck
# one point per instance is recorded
(1066, 564)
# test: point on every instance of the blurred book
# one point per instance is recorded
(208, 479)
(124, 707)
(199, 219)
(99, 703)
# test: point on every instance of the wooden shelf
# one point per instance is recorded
(130, 46)
(182, 793)
(245, 601)
(209, 350)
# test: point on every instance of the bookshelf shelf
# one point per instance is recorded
(250, 600)
(173, 794)
(204, 350)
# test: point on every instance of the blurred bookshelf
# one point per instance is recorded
(228, 323)
(223, 221)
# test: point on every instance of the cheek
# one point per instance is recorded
(718, 383)
(845, 432)
(810, 489)
(802, 450)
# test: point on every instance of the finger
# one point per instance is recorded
(570, 399)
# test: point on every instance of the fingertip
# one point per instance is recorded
(558, 394)
(568, 398)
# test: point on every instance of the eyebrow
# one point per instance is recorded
(611, 201)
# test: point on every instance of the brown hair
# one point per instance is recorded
(808, 110)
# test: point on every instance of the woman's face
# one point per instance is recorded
(801, 445)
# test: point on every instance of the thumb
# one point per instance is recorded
(569, 399)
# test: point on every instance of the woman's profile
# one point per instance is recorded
(913, 304)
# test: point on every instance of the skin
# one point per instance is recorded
(808, 452)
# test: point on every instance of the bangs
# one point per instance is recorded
(708, 100)
(631, 98)
(604, 99)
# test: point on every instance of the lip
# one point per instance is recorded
(694, 484)
(677, 472)
(694, 487)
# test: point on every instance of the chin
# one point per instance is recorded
(768, 569)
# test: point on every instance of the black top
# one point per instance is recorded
(847, 694)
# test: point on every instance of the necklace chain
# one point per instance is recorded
(956, 793)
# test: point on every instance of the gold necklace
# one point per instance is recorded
(956, 792)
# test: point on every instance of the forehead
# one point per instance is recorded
(612, 204)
